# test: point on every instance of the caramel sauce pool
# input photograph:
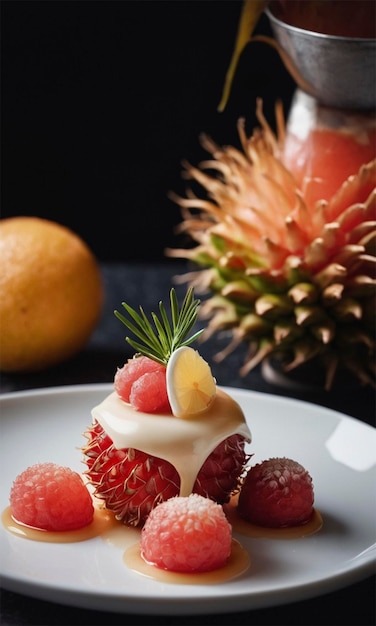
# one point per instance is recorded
(241, 526)
(102, 522)
(114, 533)
(237, 564)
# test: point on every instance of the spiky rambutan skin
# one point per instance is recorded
(289, 278)
(131, 483)
(220, 474)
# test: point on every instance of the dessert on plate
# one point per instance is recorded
(164, 451)
(167, 429)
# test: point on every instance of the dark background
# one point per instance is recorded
(102, 100)
(100, 103)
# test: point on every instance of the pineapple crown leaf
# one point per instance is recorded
(157, 339)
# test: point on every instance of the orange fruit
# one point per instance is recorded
(50, 294)
(190, 383)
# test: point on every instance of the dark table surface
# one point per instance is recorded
(145, 284)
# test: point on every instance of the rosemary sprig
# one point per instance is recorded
(159, 341)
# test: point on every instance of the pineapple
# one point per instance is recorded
(292, 277)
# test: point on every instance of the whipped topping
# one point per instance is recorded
(185, 443)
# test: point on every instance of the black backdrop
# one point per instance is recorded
(101, 101)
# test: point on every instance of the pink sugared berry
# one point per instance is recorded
(51, 497)
(142, 383)
(149, 393)
(277, 492)
(131, 371)
(187, 534)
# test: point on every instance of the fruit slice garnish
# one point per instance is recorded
(190, 384)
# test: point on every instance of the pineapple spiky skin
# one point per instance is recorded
(292, 280)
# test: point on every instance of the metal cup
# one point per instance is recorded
(339, 71)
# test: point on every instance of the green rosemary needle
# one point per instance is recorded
(159, 337)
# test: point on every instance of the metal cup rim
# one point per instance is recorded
(317, 35)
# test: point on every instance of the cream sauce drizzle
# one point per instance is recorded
(184, 442)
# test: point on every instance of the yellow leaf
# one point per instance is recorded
(249, 17)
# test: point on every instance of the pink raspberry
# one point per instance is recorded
(277, 492)
(131, 371)
(142, 382)
(51, 497)
(187, 534)
(149, 393)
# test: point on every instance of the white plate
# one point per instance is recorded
(338, 451)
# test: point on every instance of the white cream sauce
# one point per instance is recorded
(184, 442)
